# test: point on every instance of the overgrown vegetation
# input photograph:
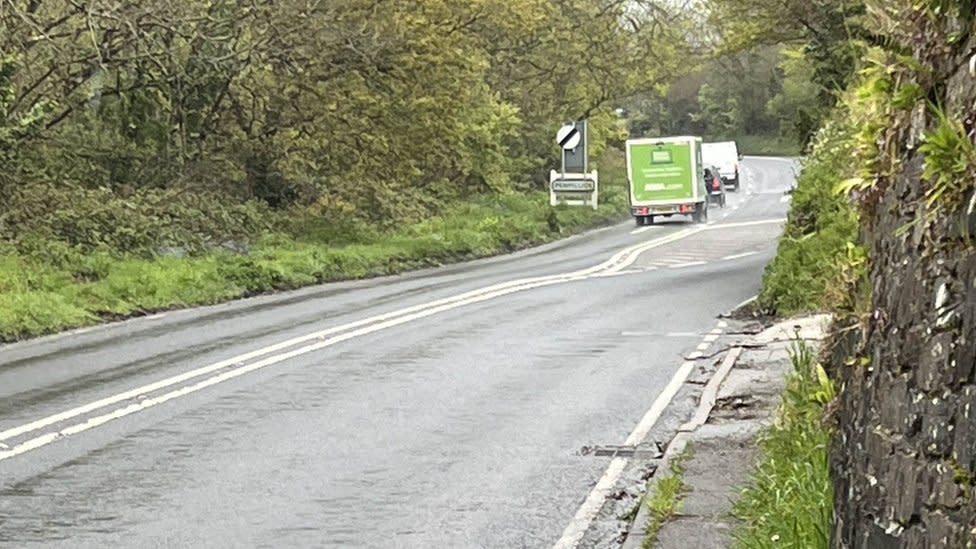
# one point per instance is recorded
(161, 154)
(822, 227)
(949, 157)
(903, 107)
(65, 286)
(789, 503)
(759, 145)
(665, 501)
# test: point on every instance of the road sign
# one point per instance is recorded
(573, 185)
(568, 137)
(574, 144)
(573, 189)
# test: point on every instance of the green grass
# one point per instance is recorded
(759, 145)
(790, 501)
(665, 500)
(814, 255)
(63, 288)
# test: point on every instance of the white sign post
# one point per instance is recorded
(573, 185)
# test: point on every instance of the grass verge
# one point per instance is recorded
(816, 250)
(758, 145)
(665, 500)
(66, 289)
(790, 501)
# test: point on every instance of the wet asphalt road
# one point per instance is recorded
(458, 428)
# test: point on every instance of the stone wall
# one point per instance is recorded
(904, 458)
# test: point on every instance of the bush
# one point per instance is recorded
(50, 222)
(65, 271)
(813, 253)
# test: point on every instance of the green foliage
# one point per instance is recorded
(719, 111)
(48, 219)
(665, 501)
(813, 253)
(790, 501)
(797, 108)
(48, 285)
(393, 113)
(949, 158)
(716, 97)
(760, 145)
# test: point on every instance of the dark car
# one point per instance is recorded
(714, 186)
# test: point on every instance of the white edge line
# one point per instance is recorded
(48, 438)
(686, 265)
(739, 256)
(746, 302)
(581, 521)
(775, 221)
(619, 261)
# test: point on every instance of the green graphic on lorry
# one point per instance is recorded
(662, 171)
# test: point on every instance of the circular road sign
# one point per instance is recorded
(568, 137)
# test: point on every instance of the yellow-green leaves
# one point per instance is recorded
(950, 158)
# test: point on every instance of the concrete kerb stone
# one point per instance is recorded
(637, 533)
(677, 446)
(758, 370)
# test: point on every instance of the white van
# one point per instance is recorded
(725, 156)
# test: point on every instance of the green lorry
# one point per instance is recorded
(666, 178)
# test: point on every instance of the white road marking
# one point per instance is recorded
(640, 230)
(674, 260)
(786, 198)
(237, 365)
(703, 346)
(776, 221)
(143, 404)
(711, 338)
(770, 158)
(738, 256)
(584, 516)
(746, 302)
(686, 265)
(659, 334)
(618, 273)
(647, 422)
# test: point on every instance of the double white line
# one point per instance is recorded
(148, 396)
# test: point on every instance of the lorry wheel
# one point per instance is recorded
(640, 220)
(701, 214)
(649, 220)
(735, 184)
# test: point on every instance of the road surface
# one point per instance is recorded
(444, 408)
